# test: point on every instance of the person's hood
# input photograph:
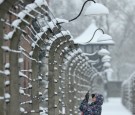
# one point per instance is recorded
(99, 99)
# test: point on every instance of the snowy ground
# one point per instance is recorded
(114, 107)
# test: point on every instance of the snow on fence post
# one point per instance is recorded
(1, 66)
(73, 79)
(2, 16)
(35, 84)
(67, 49)
(66, 75)
(70, 86)
(58, 44)
(78, 72)
(14, 35)
(58, 58)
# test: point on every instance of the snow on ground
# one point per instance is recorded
(114, 107)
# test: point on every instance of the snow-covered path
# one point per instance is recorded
(114, 107)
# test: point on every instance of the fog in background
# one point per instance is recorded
(120, 24)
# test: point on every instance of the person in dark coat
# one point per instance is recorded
(95, 108)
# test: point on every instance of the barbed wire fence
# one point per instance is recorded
(41, 69)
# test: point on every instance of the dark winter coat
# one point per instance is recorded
(94, 108)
